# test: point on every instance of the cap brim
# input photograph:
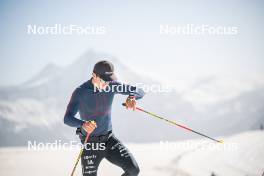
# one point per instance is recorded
(111, 77)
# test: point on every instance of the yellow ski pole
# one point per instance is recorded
(176, 124)
(81, 152)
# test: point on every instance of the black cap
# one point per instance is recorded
(105, 70)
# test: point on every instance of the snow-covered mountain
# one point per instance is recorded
(34, 110)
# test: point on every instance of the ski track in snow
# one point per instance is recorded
(245, 160)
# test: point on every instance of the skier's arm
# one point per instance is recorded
(129, 90)
(72, 109)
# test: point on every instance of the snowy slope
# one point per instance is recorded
(241, 154)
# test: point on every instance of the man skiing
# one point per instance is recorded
(93, 100)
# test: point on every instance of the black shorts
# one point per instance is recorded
(109, 147)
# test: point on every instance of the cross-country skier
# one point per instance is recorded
(93, 100)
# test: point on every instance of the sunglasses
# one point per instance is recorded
(103, 81)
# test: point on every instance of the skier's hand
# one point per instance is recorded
(89, 126)
(131, 102)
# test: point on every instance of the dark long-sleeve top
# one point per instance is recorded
(94, 104)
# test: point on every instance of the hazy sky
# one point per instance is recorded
(133, 35)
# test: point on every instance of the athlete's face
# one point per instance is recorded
(98, 82)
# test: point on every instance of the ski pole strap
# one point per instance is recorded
(131, 96)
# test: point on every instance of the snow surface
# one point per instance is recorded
(240, 155)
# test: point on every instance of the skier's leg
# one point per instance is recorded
(119, 155)
(90, 160)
